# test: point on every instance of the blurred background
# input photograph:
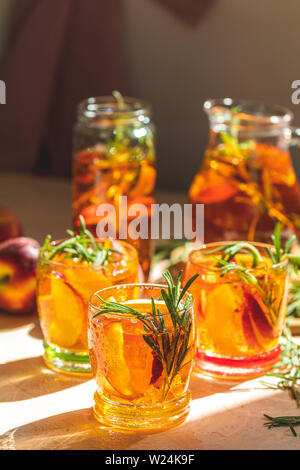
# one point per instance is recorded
(172, 53)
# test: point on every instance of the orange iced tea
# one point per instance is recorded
(247, 180)
(65, 284)
(97, 181)
(114, 156)
(240, 311)
(141, 357)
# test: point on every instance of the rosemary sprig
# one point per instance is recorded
(119, 99)
(230, 250)
(288, 373)
(126, 140)
(294, 303)
(232, 147)
(171, 345)
(288, 369)
(279, 421)
(277, 255)
(82, 246)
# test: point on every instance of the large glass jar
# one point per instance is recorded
(247, 180)
(114, 156)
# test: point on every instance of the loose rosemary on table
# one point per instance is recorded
(82, 246)
(287, 370)
(171, 346)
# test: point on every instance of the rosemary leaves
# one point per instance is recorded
(82, 247)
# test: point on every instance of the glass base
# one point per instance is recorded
(67, 362)
(236, 368)
(155, 418)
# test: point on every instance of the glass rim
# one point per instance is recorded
(206, 246)
(133, 285)
(128, 246)
(106, 107)
(273, 115)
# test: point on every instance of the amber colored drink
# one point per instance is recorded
(134, 389)
(98, 180)
(64, 287)
(238, 323)
(114, 156)
(245, 189)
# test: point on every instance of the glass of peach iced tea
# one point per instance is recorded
(69, 272)
(240, 305)
(141, 341)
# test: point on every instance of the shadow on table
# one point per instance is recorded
(73, 430)
(29, 378)
(202, 386)
(9, 321)
(240, 426)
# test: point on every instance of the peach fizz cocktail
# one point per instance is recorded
(142, 352)
(69, 272)
(240, 308)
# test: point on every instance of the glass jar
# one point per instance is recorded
(114, 156)
(247, 180)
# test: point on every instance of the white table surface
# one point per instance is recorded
(41, 409)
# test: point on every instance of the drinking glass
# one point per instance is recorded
(238, 322)
(64, 287)
(142, 374)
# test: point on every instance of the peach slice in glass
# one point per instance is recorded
(249, 332)
(145, 183)
(265, 332)
(116, 370)
(223, 302)
(87, 281)
(140, 359)
(46, 307)
(69, 314)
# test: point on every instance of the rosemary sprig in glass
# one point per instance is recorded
(171, 346)
(81, 246)
(239, 155)
(227, 261)
(125, 140)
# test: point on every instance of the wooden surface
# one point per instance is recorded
(41, 409)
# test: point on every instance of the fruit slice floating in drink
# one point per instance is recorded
(69, 308)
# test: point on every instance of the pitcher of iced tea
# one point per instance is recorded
(247, 180)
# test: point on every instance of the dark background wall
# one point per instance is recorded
(243, 49)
